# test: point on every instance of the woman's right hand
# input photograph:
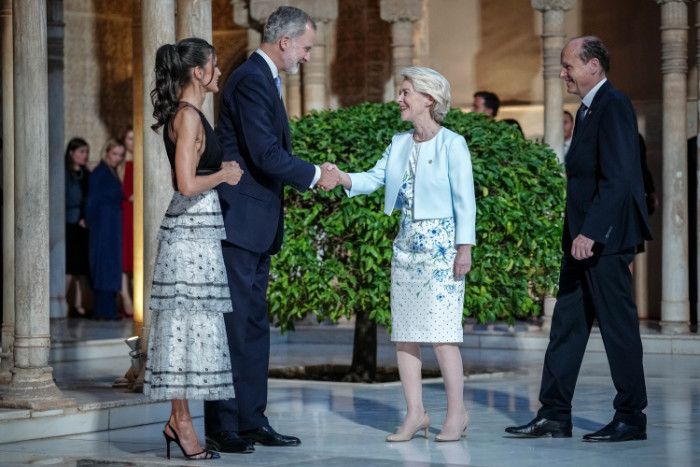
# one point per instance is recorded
(231, 172)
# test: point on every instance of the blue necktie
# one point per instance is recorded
(278, 83)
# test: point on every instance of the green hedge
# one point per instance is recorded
(337, 251)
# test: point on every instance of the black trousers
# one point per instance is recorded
(600, 288)
(248, 330)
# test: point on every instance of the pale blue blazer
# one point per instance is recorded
(443, 187)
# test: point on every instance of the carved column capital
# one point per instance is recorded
(393, 11)
(241, 13)
(320, 10)
(674, 36)
(547, 5)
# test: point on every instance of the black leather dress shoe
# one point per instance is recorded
(616, 431)
(228, 441)
(266, 436)
(540, 427)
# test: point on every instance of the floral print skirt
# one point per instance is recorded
(426, 300)
(188, 353)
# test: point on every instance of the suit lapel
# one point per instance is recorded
(595, 106)
(280, 111)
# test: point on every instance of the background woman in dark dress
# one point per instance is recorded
(77, 265)
(104, 218)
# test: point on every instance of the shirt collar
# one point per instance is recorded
(588, 98)
(270, 63)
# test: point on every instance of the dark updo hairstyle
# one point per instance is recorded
(173, 65)
(73, 144)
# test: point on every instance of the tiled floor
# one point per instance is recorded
(345, 425)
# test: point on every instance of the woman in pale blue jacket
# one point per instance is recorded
(427, 175)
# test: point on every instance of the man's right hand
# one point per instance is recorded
(330, 177)
(582, 247)
(231, 172)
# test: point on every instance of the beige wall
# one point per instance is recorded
(97, 72)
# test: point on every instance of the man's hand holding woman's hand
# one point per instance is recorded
(231, 172)
(332, 176)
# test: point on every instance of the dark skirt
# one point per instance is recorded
(77, 244)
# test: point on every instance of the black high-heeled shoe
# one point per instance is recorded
(207, 453)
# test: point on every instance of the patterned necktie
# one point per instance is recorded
(278, 83)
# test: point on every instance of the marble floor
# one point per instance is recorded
(345, 425)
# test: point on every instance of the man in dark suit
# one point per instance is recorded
(254, 131)
(605, 222)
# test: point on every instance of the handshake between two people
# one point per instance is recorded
(332, 176)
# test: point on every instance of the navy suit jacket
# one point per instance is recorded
(254, 131)
(605, 192)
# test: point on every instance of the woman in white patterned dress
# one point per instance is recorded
(427, 175)
(187, 346)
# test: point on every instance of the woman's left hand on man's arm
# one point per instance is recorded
(463, 260)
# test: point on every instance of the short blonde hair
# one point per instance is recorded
(110, 144)
(429, 82)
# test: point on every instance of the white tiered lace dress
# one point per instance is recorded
(188, 356)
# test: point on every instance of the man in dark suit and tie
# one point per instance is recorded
(254, 131)
(605, 223)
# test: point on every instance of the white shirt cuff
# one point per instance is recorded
(317, 176)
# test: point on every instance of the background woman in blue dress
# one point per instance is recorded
(104, 219)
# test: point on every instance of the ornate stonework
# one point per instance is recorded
(319, 10)
(545, 5)
(401, 10)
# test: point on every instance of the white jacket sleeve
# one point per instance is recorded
(462, 189)
(364, 183)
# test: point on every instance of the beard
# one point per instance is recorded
(293, 69)
(291, 65)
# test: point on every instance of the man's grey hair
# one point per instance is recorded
(286, 21)
(430, 82)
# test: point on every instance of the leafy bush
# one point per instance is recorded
(336, 258)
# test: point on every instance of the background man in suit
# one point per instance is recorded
(486, 102)
(254, 131)
(605, 222)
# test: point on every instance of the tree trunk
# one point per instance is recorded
(364, 350)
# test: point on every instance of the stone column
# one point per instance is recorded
(401, 14)
(553, 39)
(133, 378)
(57, 170)
(641, 284)
(32, 384)
(697, 177)
(194, 20)
(138, 122)
(674, 65)
(241, 16)
(292, 97)
(315, 95)
(316, 70)
(8, 197)
(158, 28)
